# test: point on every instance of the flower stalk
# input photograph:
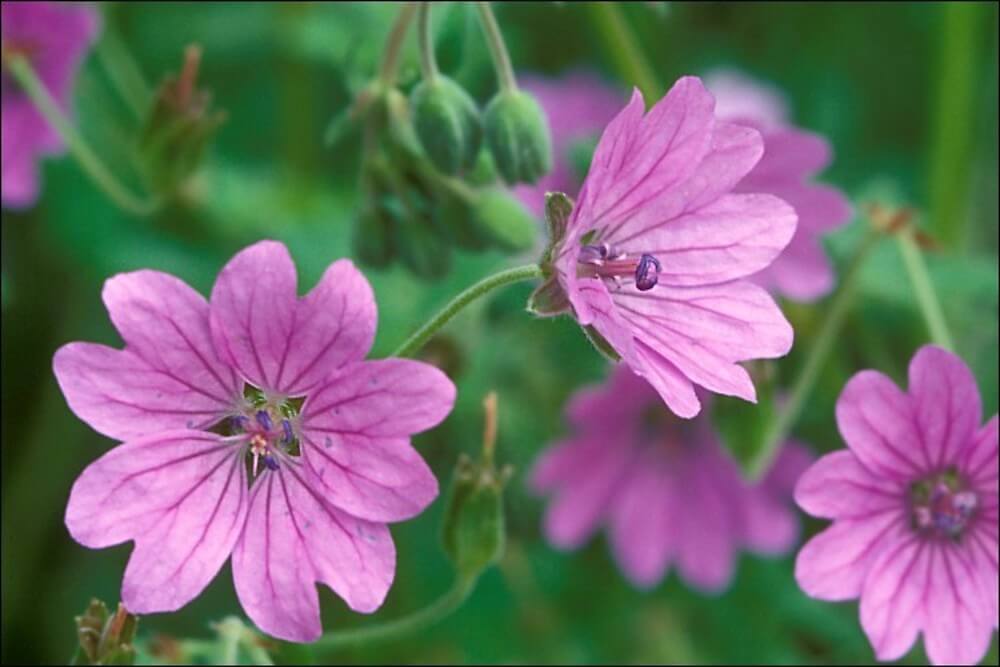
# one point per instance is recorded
(428, 63)
(930, 305)
(498, 49)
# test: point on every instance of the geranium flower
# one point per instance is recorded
(654, 252)
(792, 157)
(252, 427)
(54, 37)
(664, 488)
(577, 106)
(914, 506)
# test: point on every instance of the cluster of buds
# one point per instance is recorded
(432, 169)
(105, 638)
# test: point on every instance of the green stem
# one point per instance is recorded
(418, 620)
(927, 299)
(829, 330)
(78, 146)
(622, 46)
(413, 344)
(124, 73)
(394, 45)
(428, 63)
(498, 49)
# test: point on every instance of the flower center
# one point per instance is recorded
(605, 261)
(942, 504)
(269, 423)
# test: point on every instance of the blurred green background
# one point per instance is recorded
(907, 94)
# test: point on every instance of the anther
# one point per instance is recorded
(270, 462)
(264, 420)
(647, 273)
(286, 426)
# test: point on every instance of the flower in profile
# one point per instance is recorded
(663, 486)
(652, 257)
(914, 506)
(792, 157)
(252, 427)
(578, 105)
(53, 37)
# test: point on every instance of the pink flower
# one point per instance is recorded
(664, 488)
(654, 251)
(791, 158)
(54, 37)
(577, 105)
(252, 427)
(914, 504)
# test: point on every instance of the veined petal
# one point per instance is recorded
(642, 528)
(122, 396)
(979, 460)
(959, 611)
(180, 495)
(838, 485)
(731, 237)
(294, 539)
(892, 599)
(833, 565)
(676, 390)
(946, 403)
(876, 420)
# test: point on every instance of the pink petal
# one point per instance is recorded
(603, 315)
(181, 496)
(802, 272)
(877, 421)
(708, 525)
(770, 526)
(980, 458)
(676, 390)
(282, 343)
(562, 463)
(833, 565)
(703, 331)
(959, 611)
(642, 533)
(946, 403)
(839, 486)
(167, 377)
(791, 154)
(730, 237)
(294, 539)
(356, 432)
(575, 512)
(893, 597)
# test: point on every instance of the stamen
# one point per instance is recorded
(270, 462)
(604, 261)
(286, 426)
(264, 419)
(941, 504)
(239, 424)
(647, 273)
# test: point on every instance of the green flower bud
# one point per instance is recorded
(505, 220)
(518, 136)
(105, 639)
(178, 127)
(474, 531)
(447, 123)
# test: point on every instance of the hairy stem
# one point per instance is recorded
(927, 298)
(416, 341)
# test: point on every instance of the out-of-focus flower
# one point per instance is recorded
(664, 488)
(54, 38)
(791, 158)
(653, 255)
(252, 427)
(578, 106)
(914, 504)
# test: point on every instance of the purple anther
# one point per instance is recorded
(647, 273)
(270, 462)
(239, 424)
(264, 420)
(286, 426)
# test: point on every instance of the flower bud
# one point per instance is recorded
(474, 531)
(505, 220)
(518, 136)
(447, 123)
(178, 127)
(105, 639)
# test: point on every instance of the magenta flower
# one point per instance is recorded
(791, 158)
(252, 427)
(577, 105)
(914, 508)
(664, 487)
(54, 37)
(653, 253)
